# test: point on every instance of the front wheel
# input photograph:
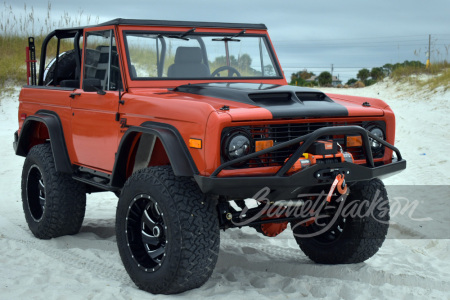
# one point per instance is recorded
(167, 231)
(353, 233)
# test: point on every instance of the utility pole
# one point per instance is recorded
(429, 52)
(332, 68)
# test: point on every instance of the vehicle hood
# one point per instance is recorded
(278, 101)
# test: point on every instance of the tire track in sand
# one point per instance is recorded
(70, 257)
(291, 263)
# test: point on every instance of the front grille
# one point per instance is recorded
(280, 133)
(284, 132)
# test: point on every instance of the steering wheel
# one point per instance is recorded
(231, 71)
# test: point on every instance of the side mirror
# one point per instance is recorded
(93, 85)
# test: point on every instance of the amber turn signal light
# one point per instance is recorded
(195, 143)
(354, 141)
(261, 145)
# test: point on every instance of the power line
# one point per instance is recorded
(357, 39)
(327, 67)
(370, 38)
(299, 42)
(365, 42)
(301, 46)
(355, 46)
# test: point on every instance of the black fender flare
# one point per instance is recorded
(53, 123)
(174, 145)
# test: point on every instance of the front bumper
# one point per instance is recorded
(283, 186)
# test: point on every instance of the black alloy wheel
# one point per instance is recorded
(146, 233)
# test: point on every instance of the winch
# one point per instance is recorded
(321, 152)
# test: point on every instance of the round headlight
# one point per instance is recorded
(378, 132)
(237, 145)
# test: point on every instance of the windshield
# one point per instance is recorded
(190, 55)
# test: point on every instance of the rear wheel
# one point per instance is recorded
(54, 204)
(167, 231)
(351, 235)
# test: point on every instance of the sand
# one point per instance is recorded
(412, 264)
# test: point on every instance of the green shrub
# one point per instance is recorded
(363, 74)
(377, 74)
(325, 78)
(369, 81)
(351, 81)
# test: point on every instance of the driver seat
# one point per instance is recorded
(188, 64)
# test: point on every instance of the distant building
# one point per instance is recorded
(335, 81)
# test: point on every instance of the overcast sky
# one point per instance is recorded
(306, 34)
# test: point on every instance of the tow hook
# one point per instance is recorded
(339, 183)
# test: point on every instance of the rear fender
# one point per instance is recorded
(37, 129)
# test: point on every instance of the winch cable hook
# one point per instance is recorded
(338, 182)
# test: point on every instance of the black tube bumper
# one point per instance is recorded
(286, 187)
(283, 186)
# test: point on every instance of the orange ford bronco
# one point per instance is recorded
(193, 126)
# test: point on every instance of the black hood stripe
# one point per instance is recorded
(281, 101)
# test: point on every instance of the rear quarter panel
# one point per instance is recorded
(32, 100)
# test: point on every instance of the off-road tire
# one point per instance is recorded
(359, 238)
(187, 237)
(62, 210)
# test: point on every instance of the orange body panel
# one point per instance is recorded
(32, 100)
(95, 130)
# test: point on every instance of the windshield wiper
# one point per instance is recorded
(182, 36)
(230, 39)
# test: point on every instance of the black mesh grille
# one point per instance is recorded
(284, 132)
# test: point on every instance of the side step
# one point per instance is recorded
(96, 184)
(94, 178)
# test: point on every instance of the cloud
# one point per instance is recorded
(350, 33)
